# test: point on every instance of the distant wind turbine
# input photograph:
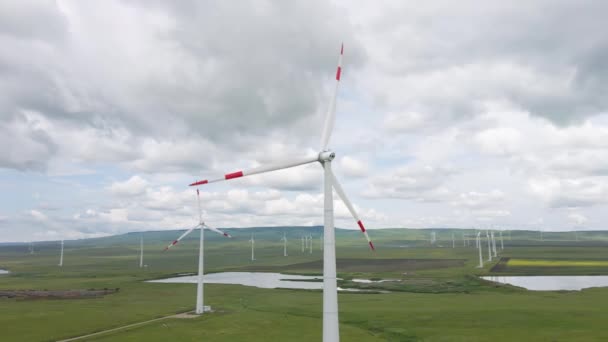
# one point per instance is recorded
(478, 243)
(200, 308)
(303, 244)
(453, 241)
(284, 239)
(252, 241)
(310, 243)
(502, 245)
(493, 244)
(61, 255)
(489, 246)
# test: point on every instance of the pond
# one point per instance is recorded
(258, 279)
(552, 283)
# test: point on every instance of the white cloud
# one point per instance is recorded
(578, 218)
(500, 141)
(352, 167)
(416, 182)
(456, 124)
(403, 121)
(570, 193)
(477, 200)
(37, 215)
(132, 187)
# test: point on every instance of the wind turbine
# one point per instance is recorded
(478, 243)
(302, 243)
(493, 244)
(310, 242)
(453, 241)
(201, 262)
(284, 239)
(502, 244)
(325, 157)
(252, 241)
(61, 255)
(489, 246)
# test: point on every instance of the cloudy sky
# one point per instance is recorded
(475, 114)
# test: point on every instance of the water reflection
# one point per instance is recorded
(257, 279)
(552, 283)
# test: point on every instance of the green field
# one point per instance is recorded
(557, 263)
(437, 297)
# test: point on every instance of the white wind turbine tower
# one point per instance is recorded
(502, 245)
(478, 243)
(61, 255)
(453, 241)
(284, 239)
(493, 244)
(200, 308)
(302, 243)
(252, 241)
(489, 246)
(325, 157)
(310, 243)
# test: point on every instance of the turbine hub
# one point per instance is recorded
(326, 156)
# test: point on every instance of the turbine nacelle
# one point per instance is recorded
(326, 156)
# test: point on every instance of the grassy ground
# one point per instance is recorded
(437, 298)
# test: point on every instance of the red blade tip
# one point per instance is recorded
(342, 49)
(372, 246)
(201, 182)
(234, 175)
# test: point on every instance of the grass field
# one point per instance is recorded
(438, 297)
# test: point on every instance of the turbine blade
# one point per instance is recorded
(330, 117)
(217, 230)
(181, 237)
(261, 169)
(350, 207)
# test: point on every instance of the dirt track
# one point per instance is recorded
(56, 294)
